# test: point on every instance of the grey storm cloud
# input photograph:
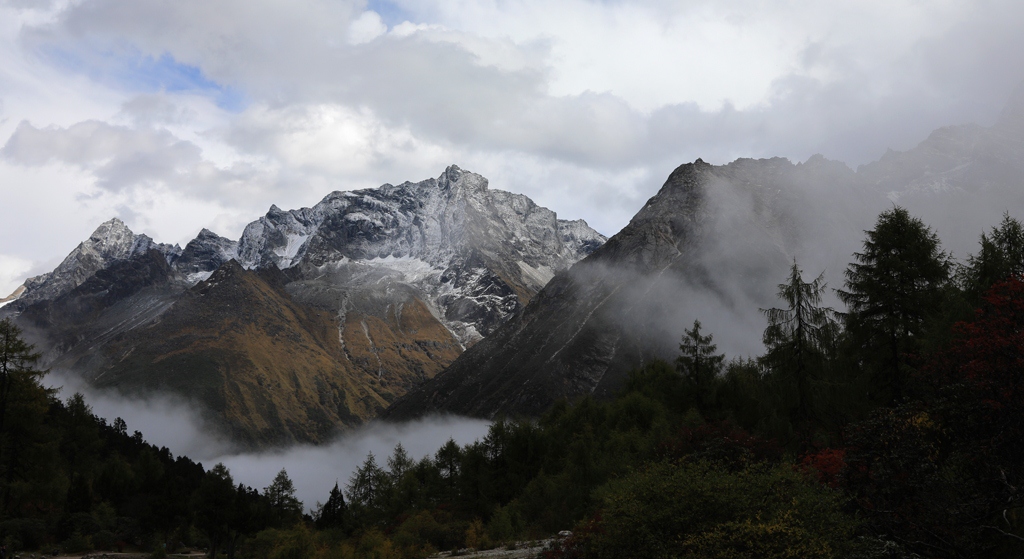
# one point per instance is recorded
(94, 143)
(296, 54)
(454, 86)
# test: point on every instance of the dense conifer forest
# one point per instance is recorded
(890, 429)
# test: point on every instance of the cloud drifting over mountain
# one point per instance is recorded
(180, 115)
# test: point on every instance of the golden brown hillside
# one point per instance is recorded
(273, 370)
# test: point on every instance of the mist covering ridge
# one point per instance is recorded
(433, 267)
(712, 245)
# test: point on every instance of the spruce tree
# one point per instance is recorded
(799, 338)
(700, 365)
(333, 513)
(895, 285)
(449, 464)
(17, 359)
(281, 494)
(368, 490)
(213, 504)
(1001, 256)
(25, 436)
(399, 463)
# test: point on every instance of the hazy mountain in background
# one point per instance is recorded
(316, 318)
(712, 245)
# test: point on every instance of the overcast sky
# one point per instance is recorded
(181, 114)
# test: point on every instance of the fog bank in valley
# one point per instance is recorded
(315, 469)
(181, 427)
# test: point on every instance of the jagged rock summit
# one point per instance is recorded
(478, 255)
(204, 254)
(110, 242)
(316, 318)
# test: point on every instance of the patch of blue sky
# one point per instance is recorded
(167, 74)
(148, 74)
(390, 12)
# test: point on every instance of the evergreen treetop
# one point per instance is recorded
(890, 291)
(799, 338)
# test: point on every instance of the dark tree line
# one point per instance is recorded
(70, 481)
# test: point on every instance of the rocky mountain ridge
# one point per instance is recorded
(479, 253)
(344, 306)
(112, 241)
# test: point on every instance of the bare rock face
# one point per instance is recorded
(316, 319)
(204, 254)
(112, 241)
(476, 255)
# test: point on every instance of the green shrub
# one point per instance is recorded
(419, 535)
(104, 540)
(670, 510)
(22, 533)
(500, 529)
(77, 543)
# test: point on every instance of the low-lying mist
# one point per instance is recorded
(314, 469)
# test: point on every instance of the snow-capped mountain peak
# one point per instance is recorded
(473, 255)
(472, 238)
(110, 242)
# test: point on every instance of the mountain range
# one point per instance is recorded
(448, 296)
(315, 319)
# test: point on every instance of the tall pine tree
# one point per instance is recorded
(892, 289)
(281, 494)
(332, 514)
(27, 450)
(800, 340)
(700, 366)
(1001, 256)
